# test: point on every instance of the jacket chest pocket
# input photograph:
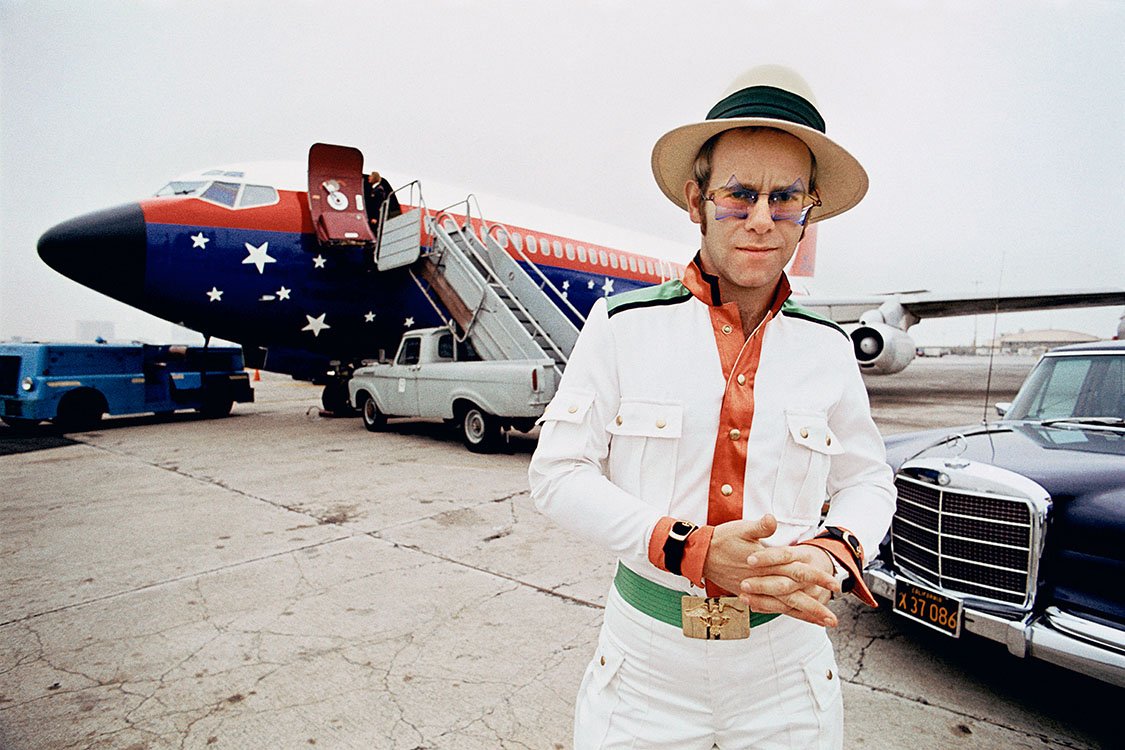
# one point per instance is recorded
(644, 445)
(800, 487)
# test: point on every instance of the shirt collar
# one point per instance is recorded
(705, 286)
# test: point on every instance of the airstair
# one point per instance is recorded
(511, 311)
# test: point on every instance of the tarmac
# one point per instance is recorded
(279, 579)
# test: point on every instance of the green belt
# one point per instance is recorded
(662, 603)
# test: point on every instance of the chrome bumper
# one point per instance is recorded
(1054, 636)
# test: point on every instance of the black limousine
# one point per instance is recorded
(1015, 530)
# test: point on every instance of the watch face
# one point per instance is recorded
(681, 529)
(847, 538)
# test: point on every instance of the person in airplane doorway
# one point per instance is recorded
(697, 432)
(376, 189)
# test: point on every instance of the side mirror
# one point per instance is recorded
(1002, 408)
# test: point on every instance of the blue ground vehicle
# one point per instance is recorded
(74, 385)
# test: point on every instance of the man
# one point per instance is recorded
(375, 190)
(697, 432)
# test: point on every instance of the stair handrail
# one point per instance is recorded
(383, 209)
(438, 225)
(441, 233)
(507, 290)
(546, 282)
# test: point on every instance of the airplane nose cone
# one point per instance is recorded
(104, 250)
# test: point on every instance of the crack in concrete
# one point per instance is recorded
(495, 574)
(202, 479)
(187, 577)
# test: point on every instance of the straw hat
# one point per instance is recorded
(767, 96)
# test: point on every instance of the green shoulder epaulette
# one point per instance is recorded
(793, 310)
(669, 293)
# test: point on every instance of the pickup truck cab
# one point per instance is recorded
(435, 376)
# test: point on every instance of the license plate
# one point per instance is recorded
(931, 608)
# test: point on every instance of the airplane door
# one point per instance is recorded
(336, 195)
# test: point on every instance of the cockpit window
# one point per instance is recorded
(257, 195)
(180, 187)
(221, 193)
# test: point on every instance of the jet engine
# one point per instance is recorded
(881, 349)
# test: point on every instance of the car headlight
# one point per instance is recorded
(28, 384)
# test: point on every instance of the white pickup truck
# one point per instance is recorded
(434, 376)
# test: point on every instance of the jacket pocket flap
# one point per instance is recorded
(568, 406)
(607, 661)
(647, 419)
(822, 674)
(812, 432)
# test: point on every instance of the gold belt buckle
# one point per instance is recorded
(715, 618)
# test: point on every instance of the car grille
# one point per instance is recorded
(979, 545)
(9, 374)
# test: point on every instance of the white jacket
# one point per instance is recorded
(630, 436)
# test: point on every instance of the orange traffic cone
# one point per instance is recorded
(257, 376)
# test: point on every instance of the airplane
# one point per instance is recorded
(284, 260)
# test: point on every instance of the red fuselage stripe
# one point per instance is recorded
(291, 214)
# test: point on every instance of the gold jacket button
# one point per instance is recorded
(726, 489)
(804, 432)
(827, 674)
(661, 424)
(603, 664)
(741, 379)
(828, 440)
(619, 420)
(735, 434)
(573, 409)
(727, 329)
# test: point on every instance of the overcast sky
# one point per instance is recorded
(992, 132)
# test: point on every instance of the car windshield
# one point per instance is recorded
(1085, 386)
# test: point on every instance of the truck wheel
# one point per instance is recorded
(217, 407)
(334, 398)
(480, 431)
(373, 419)
(80, 410)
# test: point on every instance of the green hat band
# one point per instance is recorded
(771, 102)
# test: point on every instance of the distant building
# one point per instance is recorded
(1037, 342)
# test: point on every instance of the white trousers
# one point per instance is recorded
(649, 686)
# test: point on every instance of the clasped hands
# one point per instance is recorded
(795, 580)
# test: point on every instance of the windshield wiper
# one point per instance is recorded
(1086, 421)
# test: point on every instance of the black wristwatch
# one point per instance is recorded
(850, 540)
(674, 545)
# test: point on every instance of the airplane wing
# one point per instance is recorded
(928, 305)
(882, 345)
(924, 304)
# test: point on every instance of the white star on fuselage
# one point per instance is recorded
(590, 284)
(318, 261)
(198, 240)
(283, 293)
(566, 284)
(408, 322)
(258, 256)
(215, 294)
(316, 325)
(369, 317)
(607, 286)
